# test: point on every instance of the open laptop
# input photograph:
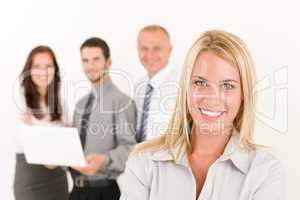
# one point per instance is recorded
(50, 145)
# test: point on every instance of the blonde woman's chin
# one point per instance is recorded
(213, 129)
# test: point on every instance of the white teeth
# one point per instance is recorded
(210, 113)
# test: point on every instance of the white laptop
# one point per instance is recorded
(50, 145)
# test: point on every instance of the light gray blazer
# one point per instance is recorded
(111, 128)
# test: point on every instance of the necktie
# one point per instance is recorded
(141, 134)
(83, 127)
(85, 119)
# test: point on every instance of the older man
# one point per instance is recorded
(155, 93)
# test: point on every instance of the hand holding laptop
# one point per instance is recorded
(94, 163)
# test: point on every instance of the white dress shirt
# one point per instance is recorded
(162, 103)
(21, 108)
(235, 175)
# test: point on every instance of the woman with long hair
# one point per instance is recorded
(208, 152)
(42, 105)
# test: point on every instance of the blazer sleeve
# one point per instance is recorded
(124, 133)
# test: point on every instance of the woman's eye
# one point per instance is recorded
(227, 86)
(200, 83)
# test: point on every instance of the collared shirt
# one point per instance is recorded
(235, 175)
(110, 129)
(162, 102)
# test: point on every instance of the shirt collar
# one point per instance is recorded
(161, 76)
(102, 88)
(237, 154)
(169, 155)
(233, 152)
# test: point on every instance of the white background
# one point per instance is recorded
(268, 27)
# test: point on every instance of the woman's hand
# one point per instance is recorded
(26, 118)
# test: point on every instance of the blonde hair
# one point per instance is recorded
(232, 49)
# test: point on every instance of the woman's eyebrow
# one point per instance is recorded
(229, 80)
(223, 81)
(199, 77)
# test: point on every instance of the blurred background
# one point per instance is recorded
(269, 28)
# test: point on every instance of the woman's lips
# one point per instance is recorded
(210, 113)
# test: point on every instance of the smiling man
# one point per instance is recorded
(106, 120)
(155, 93)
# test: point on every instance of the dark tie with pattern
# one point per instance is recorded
(141, 134)
(85, 119)
(83, 128)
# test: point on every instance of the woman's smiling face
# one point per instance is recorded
(42, 70)
(215, 93)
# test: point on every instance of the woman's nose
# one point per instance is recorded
(214, 96)
(41, 72)
(214, 91)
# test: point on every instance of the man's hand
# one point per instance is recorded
(94, 164)
(51, 167)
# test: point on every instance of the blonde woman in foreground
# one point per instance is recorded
(208, 151)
